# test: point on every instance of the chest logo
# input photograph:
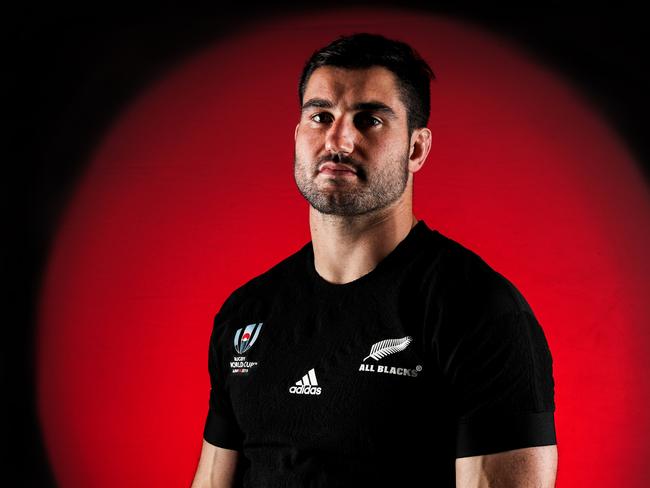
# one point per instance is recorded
(390, 346)
(246, 337)
(244, 340)
(308, 385)
(385, 348)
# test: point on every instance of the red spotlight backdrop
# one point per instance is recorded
(191, 194)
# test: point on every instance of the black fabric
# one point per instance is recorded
(498, 433)
(465, 370)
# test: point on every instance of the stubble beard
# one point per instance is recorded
(368, 193)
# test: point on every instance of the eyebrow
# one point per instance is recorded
(371, 106)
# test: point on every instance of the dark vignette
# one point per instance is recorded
(71, 73)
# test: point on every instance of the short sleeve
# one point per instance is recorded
(501, 376)
(221, 427)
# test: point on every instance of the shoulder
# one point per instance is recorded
(258, 291)
(465, 278)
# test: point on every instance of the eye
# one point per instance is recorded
(366, 120)
(321, 118)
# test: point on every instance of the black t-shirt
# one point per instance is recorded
(382, 381)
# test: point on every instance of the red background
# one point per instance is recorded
(191, 193)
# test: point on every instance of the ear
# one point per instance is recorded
(419, 148)
(295, 133)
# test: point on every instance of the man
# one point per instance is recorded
(382, 353)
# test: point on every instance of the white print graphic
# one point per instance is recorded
(308, 385)
(239, 365)
(391, 370)
(385, 348)
(244, 340)
(388, 347)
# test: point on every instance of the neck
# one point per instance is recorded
(348, 247)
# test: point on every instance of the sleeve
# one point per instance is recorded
(501, 378)
(221, 427)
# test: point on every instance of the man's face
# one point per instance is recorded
(351, 120)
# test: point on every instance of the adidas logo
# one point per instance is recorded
(308, 385)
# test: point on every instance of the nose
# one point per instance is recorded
(340, 136)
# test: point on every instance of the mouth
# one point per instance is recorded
(333, 169)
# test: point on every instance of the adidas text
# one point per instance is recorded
(305, 390)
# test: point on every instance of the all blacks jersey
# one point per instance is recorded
(382, 381)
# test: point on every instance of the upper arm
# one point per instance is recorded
(529, 467)
(501, 385)
(502, 377)
(216, 467)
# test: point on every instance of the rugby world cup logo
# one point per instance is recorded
(246, 337)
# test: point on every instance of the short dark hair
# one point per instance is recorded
(363, 50)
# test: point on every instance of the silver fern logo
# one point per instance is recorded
(387, 347)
